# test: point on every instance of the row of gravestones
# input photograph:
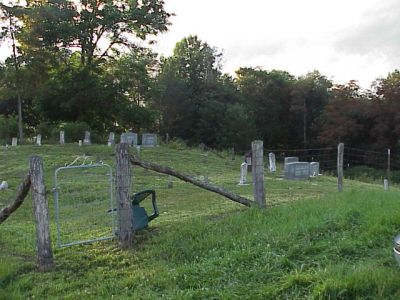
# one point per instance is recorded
(293, 169)
(148, 139)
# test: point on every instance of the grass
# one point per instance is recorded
(311, 242)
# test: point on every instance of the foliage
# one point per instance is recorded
(8, 128)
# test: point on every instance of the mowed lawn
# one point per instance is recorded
(310, 243)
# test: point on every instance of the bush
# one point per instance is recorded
(74, 131)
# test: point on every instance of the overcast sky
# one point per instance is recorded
(343, 39)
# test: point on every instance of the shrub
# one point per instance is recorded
(8, 128)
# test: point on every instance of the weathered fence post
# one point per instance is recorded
(340, 166)
(40, 209)
(123, 191)
(257, 159)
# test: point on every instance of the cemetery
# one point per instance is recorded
(182, 207)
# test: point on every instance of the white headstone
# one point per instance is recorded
(80, 143)
(297, 170)
(87, 140)
(386, 184)
(149, 140)
(111, 139)
(243, 174)
(62, 138)
(14, 141)
(39, 140)
(3, 185)
(272, 162)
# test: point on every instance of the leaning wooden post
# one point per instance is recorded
(340, 166)
(123, 191)
(40, 209)
(257, 162)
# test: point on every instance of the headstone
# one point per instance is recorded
(80, 143)
(62, 137)
(111, 139)
(385, 184)
(289, 160)
(129, 138)
(247, 160)
(86, 140)
(149, 140)
(297, 170)
(39, 140)
(243, 174)
(14, 141)
(167, 138)
(314, 169)
(272, 162)
(3, 185)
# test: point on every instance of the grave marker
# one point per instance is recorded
(314, 169)
(14, 141)
(39, 140)
(86, 140)
(149, 140)
(289, 160)
(129, 138)
(243, 174)
(272, 162)
(111, 139)
(62, 137)
(297, 170)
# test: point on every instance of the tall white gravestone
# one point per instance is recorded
(111, 139)
(62, 137)
(86, 140)
(243, 174)
(272, 162)
(14, 141)
(39, 140)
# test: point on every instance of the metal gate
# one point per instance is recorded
(84, 205)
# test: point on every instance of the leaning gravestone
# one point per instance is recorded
(39, 140)
(62, 138)
(289, 160)
(14, 141)
(111, 139)
(149, 140)
(86, 140)
(129, 138)
(272, 162)
(297, 170)
(314, 168)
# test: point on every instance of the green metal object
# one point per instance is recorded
(140, 217)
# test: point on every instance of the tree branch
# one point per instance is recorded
(18, 200)
(212, 188)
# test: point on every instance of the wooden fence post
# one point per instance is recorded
(123, 192)
(257, 162)
(340, 166)
(40, 209)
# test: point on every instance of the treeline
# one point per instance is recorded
(76, 65)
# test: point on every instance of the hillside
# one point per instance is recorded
(311, 241)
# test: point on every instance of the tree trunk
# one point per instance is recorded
(212, 188)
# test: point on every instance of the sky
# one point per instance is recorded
(343, 39)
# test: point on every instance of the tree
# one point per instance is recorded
(310, 95)
(9, 31)
(95, 28)
(267, 96)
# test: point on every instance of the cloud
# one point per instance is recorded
(377, 35)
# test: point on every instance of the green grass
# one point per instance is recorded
(310, 243)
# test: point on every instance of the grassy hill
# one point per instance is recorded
(310, 243)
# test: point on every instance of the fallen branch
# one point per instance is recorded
(210, 187)
(18, 200)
